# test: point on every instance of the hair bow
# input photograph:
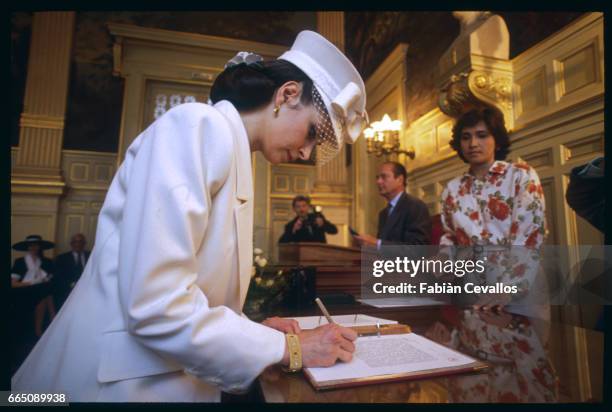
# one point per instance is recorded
(243, 57)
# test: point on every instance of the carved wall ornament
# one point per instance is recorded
(456, 95)
(492, 89)
(468, 89)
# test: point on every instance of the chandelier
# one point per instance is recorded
(382, 138)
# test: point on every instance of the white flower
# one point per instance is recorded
(262, 262)
(270, 283)
(257, 251)
(258, 280)
(257, 258)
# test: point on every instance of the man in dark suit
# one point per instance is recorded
(406, 219)
(307, 227)
(68, 268)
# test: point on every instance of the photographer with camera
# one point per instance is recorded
(307, 226)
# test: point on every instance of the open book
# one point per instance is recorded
(389, 358)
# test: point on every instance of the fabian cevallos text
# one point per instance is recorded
(437, 267)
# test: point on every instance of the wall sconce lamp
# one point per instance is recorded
(382, 138)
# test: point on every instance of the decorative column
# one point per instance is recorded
(333, 177)
(41, 127)
(36, 179)
(331, 187)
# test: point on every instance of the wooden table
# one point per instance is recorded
(575, 354)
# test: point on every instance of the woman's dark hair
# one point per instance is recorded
(248, 87)
(494, 119)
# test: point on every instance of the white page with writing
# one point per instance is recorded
(311, 322)
(391, 354)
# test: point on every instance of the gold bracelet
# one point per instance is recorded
(295, 353)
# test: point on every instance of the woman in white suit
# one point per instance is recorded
(156, 315)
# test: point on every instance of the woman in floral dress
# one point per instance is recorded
(499, 203)
(494, 201)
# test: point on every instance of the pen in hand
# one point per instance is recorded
(324, 310)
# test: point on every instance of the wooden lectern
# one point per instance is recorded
(338, 267)
(313, 254)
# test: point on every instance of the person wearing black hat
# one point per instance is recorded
(31, 269)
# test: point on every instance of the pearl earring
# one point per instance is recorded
(276, 109)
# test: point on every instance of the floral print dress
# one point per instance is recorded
(519, 367)
(504, 208)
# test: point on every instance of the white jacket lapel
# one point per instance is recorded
(243, 212)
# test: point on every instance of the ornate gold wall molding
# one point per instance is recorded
(562, 72)
(88, 177)
(41, 121)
